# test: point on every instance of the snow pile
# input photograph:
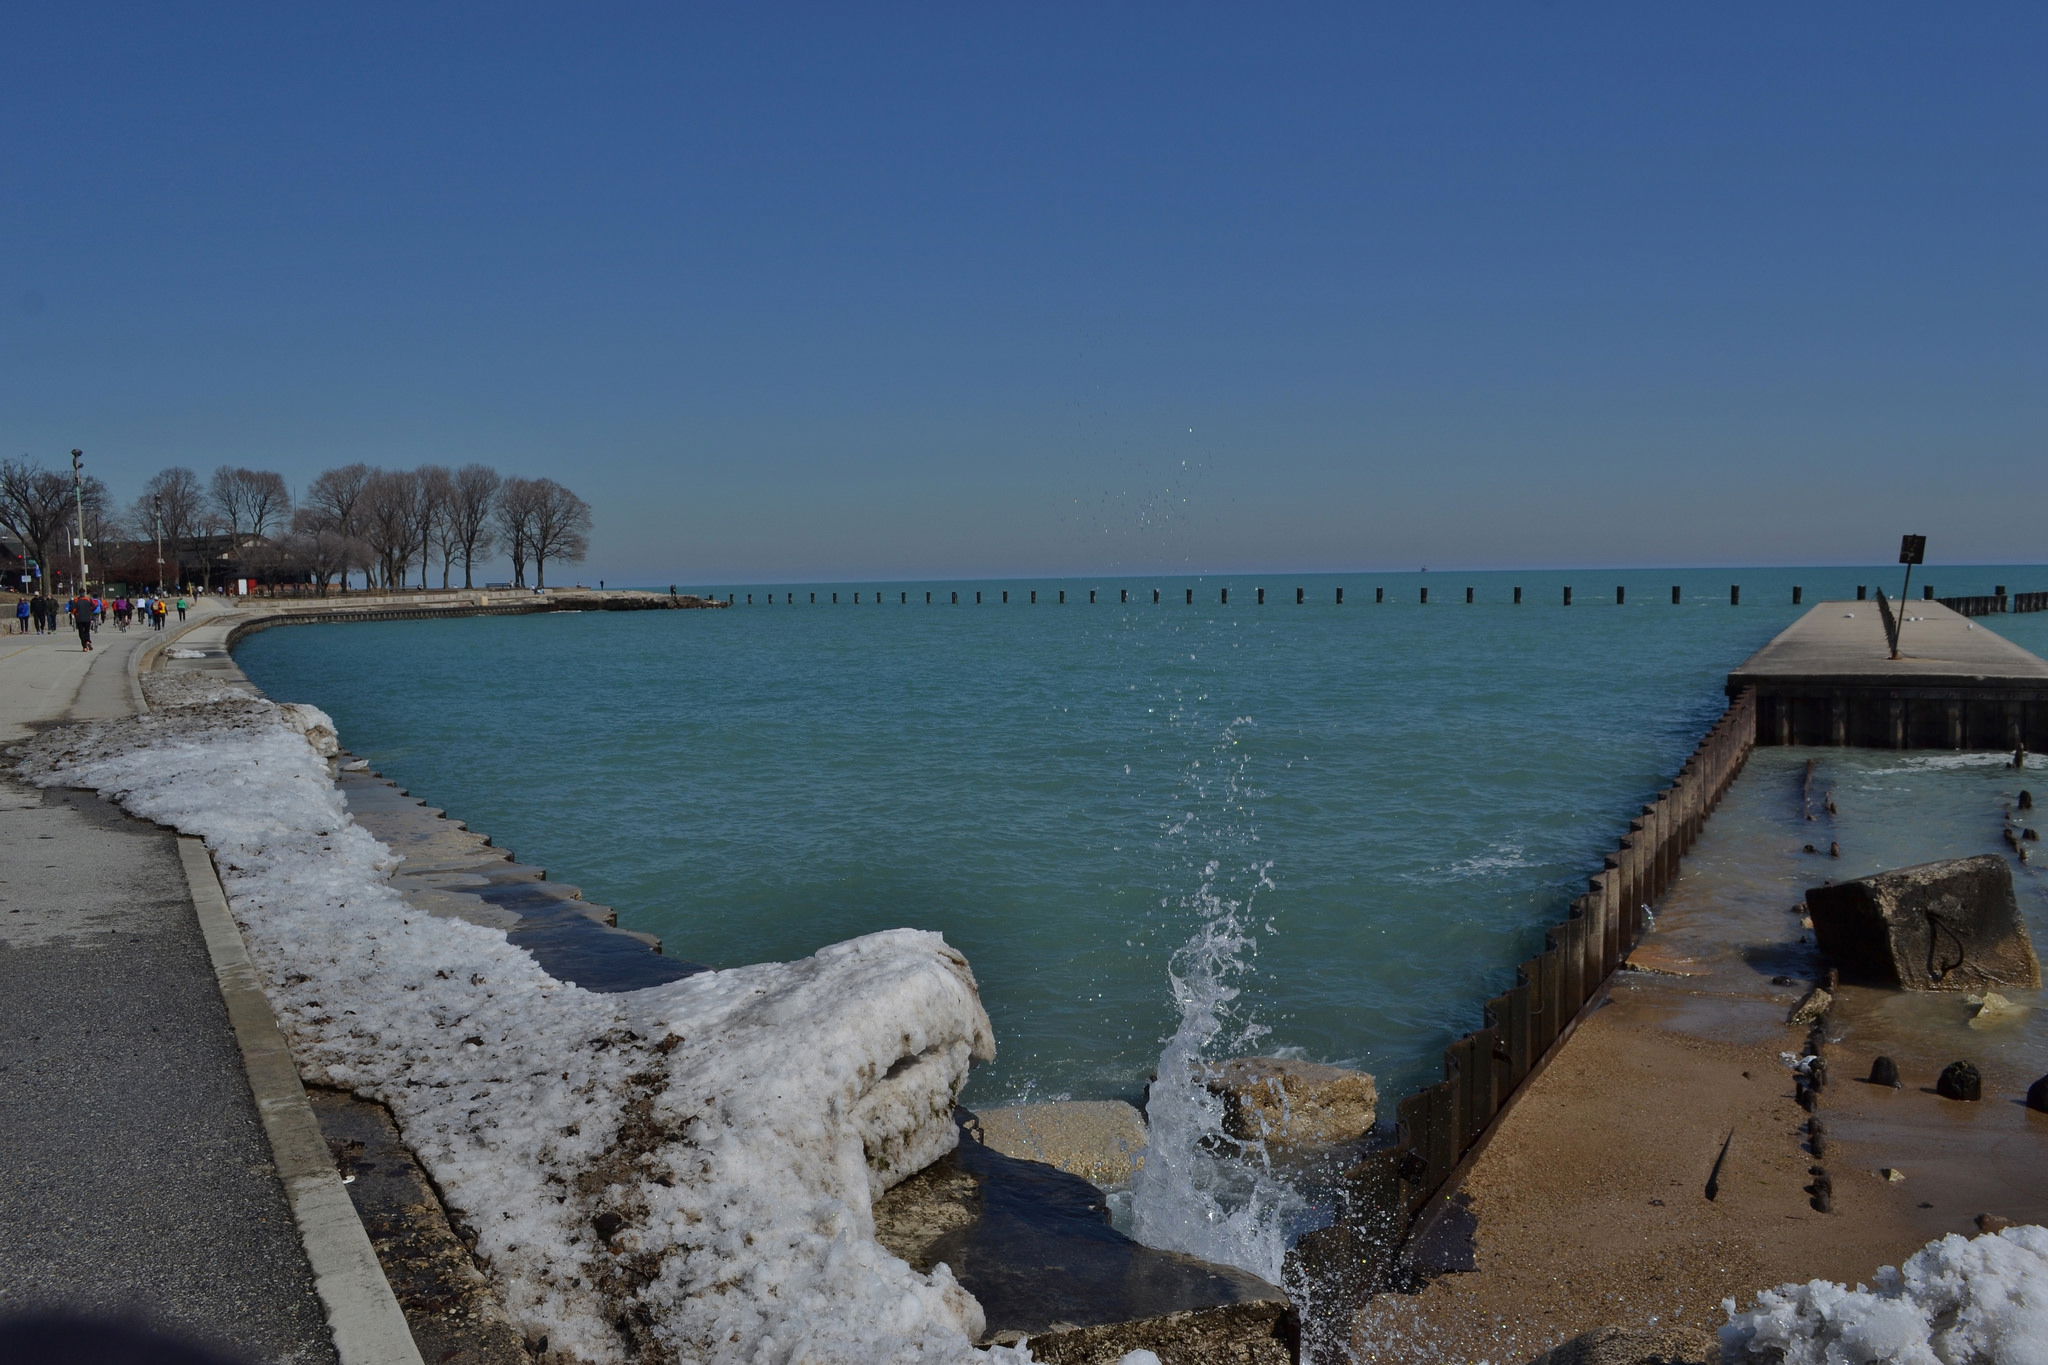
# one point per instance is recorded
(684, 1171)
(1958, 1301)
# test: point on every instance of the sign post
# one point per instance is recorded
(1912, 550)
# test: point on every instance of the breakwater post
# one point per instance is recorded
(1518, 597)
(1301, 595)
(1425, 597)
(1340, 597)
(1797, 594)
(1468, 597)
(1620, 595)
(1734, 594)
(1379, 594)
(1675, 595)
(1567, 596)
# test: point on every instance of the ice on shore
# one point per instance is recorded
(683, 1172)
(1957, 1301)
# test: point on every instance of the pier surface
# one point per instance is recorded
(1828, 678)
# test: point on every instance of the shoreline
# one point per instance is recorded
(1167, 1298)
(1641, 866)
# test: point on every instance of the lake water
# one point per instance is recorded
(1390, 800)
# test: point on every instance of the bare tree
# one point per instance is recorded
(561, 529)
(513, 514)
(35, 507)
(249, 501)
(334, 500)
(323, 553)
(388, 521)
(174, 502)
(466, 528)
(432, 493)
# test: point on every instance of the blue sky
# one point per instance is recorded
(865, 291)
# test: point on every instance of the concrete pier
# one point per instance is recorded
(1828, 678)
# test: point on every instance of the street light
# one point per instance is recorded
(78, 500)
(156, 508)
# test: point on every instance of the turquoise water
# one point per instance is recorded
(1405, 794)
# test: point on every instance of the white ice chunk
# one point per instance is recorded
(1956, 1301)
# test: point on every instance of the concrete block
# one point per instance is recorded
(1946, 926)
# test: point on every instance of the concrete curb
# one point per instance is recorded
(363, 1315)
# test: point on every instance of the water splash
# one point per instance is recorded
(1200, 1191)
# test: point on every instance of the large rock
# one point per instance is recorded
(1099, 1140)
(1292, 1104)
(1947, 926)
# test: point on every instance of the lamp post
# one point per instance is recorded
(156, 510)
(78, 501)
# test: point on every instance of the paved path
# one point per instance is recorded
(135, 1177)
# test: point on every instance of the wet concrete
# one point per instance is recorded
(449, 869)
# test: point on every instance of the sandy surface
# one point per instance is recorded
(1592, 1197)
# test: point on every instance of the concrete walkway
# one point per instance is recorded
(137, 1178)
(1844, 642)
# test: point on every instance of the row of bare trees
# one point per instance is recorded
(382, 523)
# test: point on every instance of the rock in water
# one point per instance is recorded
(1099, 1140)
(1812, 1006)
(1960, 1081)
(1991, 1009)
(1292, 1104)
(1947, 926)
(1885, 1071)
(2037, 1096)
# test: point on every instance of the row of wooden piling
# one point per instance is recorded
(952, 597)
(1996, 602)
(1440, 1125)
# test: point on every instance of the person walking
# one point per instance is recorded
(183, 602)
(22, 611)
(81, 617)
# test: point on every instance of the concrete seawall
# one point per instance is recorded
(264, 613)
(1829, 679)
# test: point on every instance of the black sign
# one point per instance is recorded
(1912, 549)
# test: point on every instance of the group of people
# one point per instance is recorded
(40, 613)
